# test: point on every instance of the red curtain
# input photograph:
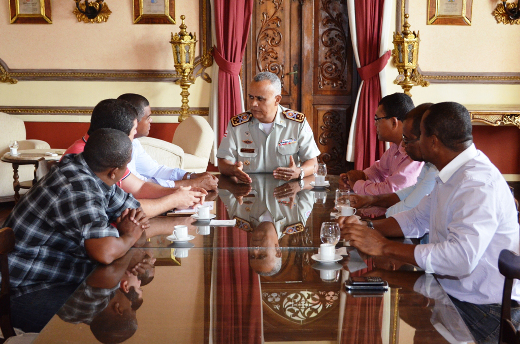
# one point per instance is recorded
(369, 19)
(238, 299)
(232, 24)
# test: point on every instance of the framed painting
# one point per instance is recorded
(30, 11)
(154, 11)
(449, 12)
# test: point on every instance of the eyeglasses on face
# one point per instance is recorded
(406, 141)
(378, 118)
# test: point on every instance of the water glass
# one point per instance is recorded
(320, 170)
(342, 199)
(330, 233)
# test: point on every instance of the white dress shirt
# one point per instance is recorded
(471, 217)
(145, 168)
(412, 195)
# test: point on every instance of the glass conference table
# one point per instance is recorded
(254, 282)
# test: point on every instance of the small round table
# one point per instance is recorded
(30, 157)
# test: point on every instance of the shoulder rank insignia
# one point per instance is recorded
(243, 224)
(294, 115)
(242, 118)
(294, 228)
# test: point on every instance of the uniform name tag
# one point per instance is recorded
(247, 150)
(286, 142)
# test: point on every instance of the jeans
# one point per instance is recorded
(32, 311)
(483, 321)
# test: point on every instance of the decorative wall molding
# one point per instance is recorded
(495, 115)
(87, 111)
(454, 77)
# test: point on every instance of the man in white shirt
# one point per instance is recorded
(407, 198)
(470, 216)
(146, 168)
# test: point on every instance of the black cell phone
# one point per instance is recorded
(366, 283)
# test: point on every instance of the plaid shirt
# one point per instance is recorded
(86, 303)
(52, 221)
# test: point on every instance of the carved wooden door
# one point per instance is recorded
(307, 44)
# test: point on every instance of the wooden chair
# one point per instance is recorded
(509, 266)
(6, 246)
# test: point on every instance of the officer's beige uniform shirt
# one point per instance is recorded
(261, 200)
(261, 152)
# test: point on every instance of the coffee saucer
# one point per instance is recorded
(174, 238)
(196, 217)
(317, 258)
(327, 183)
(329, 266)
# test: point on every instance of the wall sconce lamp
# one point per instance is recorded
(507, 13)
(406, 54)
(183, 46)
(95, 12)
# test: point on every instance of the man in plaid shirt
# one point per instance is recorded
(63, 224)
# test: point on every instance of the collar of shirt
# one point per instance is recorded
(401, 150)
(452, 167)
(85, 138)
(278, 119)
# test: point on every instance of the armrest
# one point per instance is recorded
(33, 144)
(163, 152)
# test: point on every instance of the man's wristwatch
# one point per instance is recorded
(301, 183)
(188, 176)
(370, 224)
(302, 173)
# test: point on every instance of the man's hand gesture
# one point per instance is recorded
(240, 174)
(287, 173)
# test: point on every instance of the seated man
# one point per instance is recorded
(470, 216)
(147, 169)
(155, 199)
(395, 170)
(407, 198)
(63, 224)
(267, 138)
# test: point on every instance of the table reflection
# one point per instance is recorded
(254, 283)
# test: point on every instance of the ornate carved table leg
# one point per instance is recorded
(16, 183)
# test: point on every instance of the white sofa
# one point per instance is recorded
(13, 128)
(191, 147)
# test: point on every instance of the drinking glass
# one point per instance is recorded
(342, 199)
(330, 233)
(320, 170)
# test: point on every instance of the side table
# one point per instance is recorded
(30, 157)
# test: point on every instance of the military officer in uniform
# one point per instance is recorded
(267, 138)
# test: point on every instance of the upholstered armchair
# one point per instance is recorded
(165, 153)
(13, 128)
(195, 136)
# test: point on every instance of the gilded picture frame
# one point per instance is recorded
(30, 11)
(154, 11)
(449, 12)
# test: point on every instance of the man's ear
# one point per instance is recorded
(124, 286)
(117, 308)
(278, 99)
(112, 173)
(396, 123)
(278, 252)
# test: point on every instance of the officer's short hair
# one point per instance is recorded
(272, 78)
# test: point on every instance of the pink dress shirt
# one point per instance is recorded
(394, 171)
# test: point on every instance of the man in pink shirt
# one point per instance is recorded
(395, 170)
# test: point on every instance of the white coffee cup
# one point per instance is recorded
(181, 252)
(203, 212)
(347, 210)
(203, 230)
(328, 275)
(180, 232)
(319, 180)
(327, 251)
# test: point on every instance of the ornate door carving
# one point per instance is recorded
(307, 44)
